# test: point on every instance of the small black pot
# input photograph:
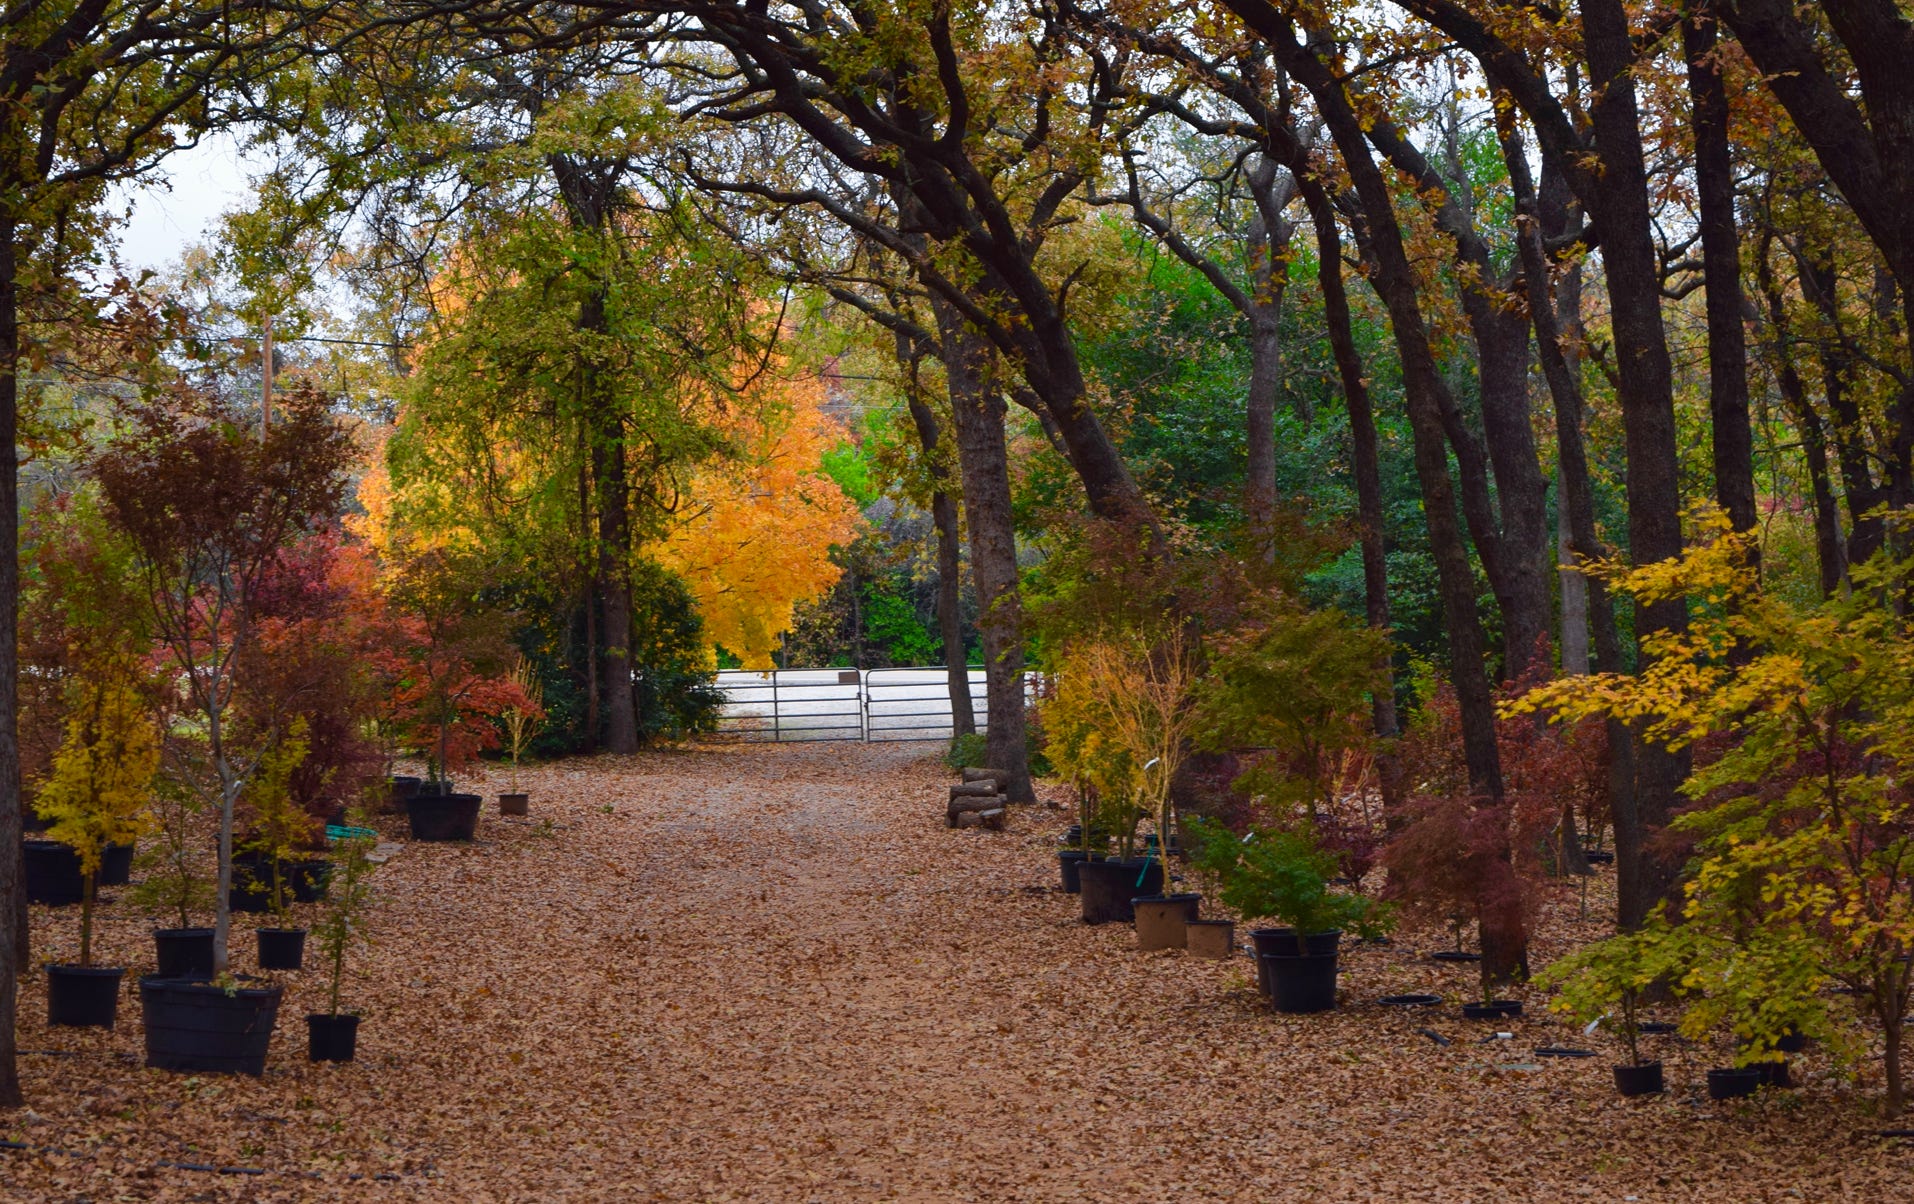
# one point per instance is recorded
(1283, 941)
(83, 996)
(514, 804)
(1773, 1074)
(1733, 1083)
(184, 952)
(1106, 887)
(1601, 857)
(1301, 983)
(282, 948)
(52, 873)
(443, 816)
(304, 881)
(331, 1038)
(1409, 1001)
(1494, 1009)
(199, 1026)
(116, 865)
(1067, 862)
(1454, 955)
(1639, 1080)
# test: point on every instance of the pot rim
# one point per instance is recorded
(79, 971)
(199, 986)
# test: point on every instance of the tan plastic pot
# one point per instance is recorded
(1161, 920)
(1210, 938)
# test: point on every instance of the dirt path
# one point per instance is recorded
(771, 974)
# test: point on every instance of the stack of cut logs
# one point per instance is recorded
(979, 801)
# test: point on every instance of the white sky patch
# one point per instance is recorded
(181, 203)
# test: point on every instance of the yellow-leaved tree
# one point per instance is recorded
(100, 783)
(755, 536)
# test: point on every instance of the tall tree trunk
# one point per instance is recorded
(594, 598)
(977, 413)
(1502, 357)
(1259, 428)
(1556, 316)
(1574, 590)
(1509, 524)
(1645, 877)
(1866, 531)
(614, 546)
(1830, 551)
(943, 514)
(1732, 435)
(13, 887)
(950, 619)
(1366, 464)
(1504, 942)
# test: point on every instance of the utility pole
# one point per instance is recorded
(265, 377)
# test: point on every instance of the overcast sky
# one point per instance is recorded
(205, 182)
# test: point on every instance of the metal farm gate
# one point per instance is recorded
(799, 705)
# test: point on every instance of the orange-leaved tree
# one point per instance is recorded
(755, 534)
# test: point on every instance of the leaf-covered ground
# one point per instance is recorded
(770, 973)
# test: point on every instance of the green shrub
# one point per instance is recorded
(965, 752)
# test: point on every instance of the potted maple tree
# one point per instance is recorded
(522, 717)
(332, 1035)
(1283, 874)
(96, 796)
(1118, 724)
(1602, 984)
(280, 830)
(207, 504)
(447, 665)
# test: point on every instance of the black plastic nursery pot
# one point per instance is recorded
(1639, 1080)
(83, 996)
(52, 873)
(1494, 1009)
(514, 804)
(184, 952)
(116, 865)
(443, 816)
(1773, 1074)
(282, 948)
(1067, 862)
(199, 1026)
(1283, 941)
(305, 882)
(1301, 983)
(1162, 920)
(401, 788)
(1732, 1082)
(331, 1038)
(1106, 887)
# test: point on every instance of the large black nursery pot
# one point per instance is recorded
(1492, 1009)
(1733, 1082)
(403, 787)
(443, 816)
(1068, 860)
(1108, 886)
(1162, 920)
(116, 865)
(184, 952)
(1639, 1080)
(282, 948)
(200, 1026)
(1300, 983)
(83, 996)
(1283, 941)
(331, 1038)
(52, 873)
